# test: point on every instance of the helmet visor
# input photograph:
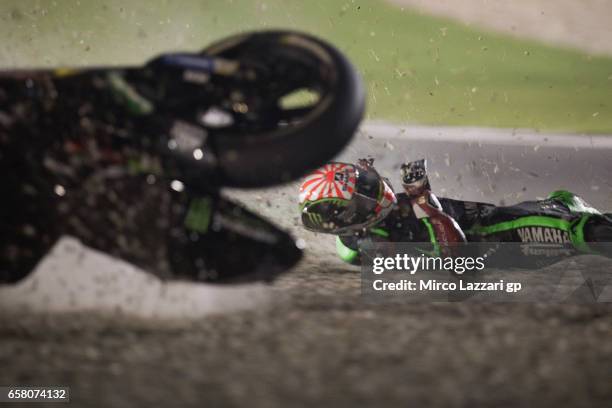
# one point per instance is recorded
(338, 216)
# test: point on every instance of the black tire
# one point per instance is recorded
(599, 229)
(283, 154)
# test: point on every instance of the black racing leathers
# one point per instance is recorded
(563, 223)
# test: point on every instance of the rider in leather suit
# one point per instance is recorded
(417, 215)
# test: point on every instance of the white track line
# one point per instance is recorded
(493, 136)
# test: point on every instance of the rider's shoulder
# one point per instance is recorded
(402, 200)
(403, 205)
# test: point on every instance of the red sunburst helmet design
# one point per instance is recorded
(334, 180)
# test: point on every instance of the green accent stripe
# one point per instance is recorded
(380, 232)
(531, 221)
(432, 235)
(199, 215)
(134, 102)
(575, 229)
(345, 253)
(577, 234)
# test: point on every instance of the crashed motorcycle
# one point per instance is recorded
(131, 160)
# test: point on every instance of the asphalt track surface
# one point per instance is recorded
(311, 339)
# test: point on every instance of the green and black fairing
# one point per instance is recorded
(216, 240)
(82, 154)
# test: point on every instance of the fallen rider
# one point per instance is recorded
(353, 202)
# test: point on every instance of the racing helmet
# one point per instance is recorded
(341, 197)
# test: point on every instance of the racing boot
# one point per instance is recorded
(598, 234)
(592, 229)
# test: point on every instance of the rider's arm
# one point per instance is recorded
(427, 208)
(443, 229)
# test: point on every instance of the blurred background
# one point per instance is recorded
(542, 64)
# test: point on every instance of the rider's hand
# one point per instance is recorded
(366, 163)
(414, 178)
